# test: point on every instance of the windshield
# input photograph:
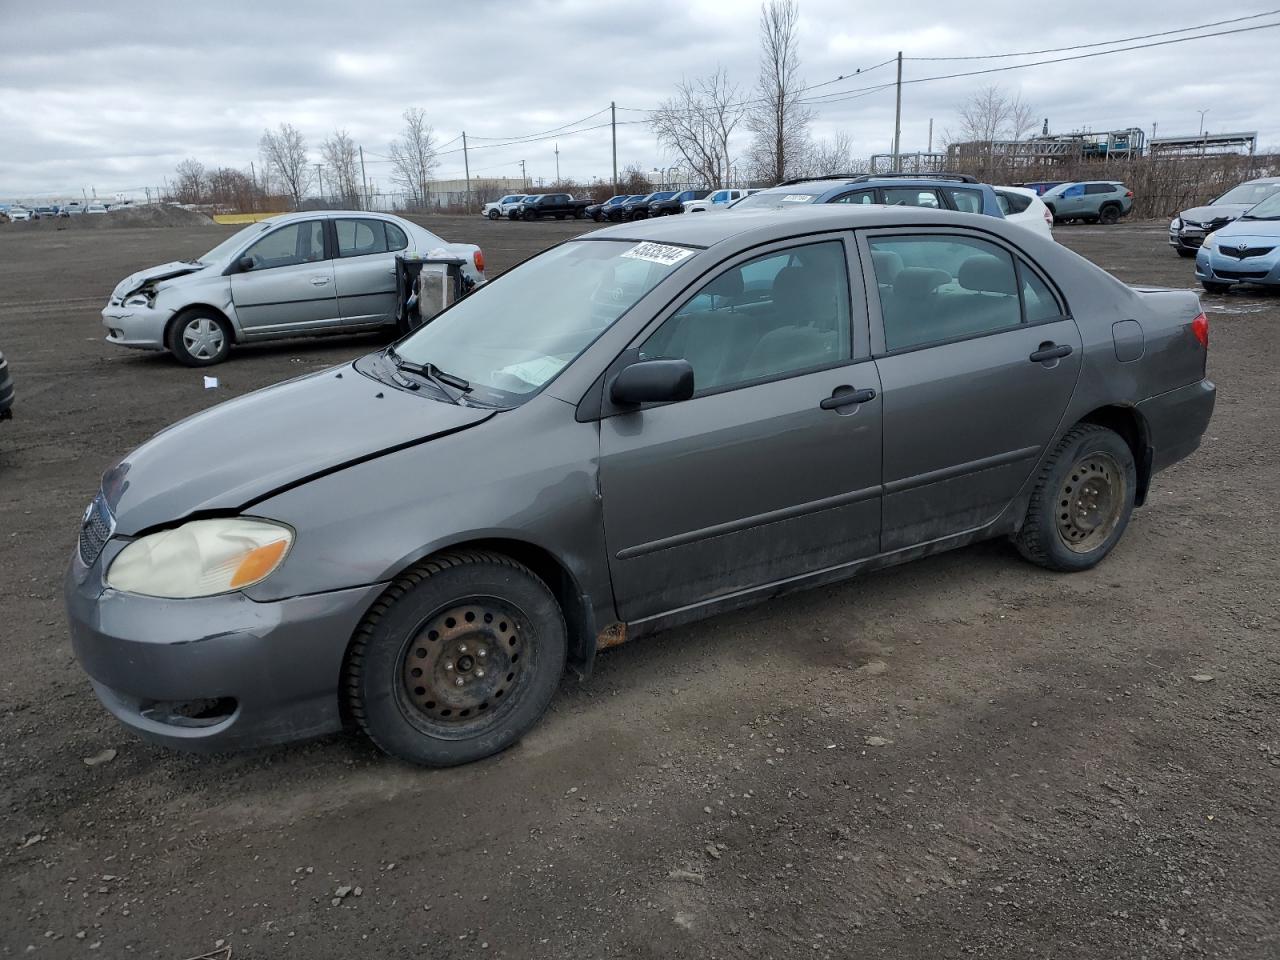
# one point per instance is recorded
(774, 198)
(1268, 209)
(1249, 193)
(512, 336)
(234, 242)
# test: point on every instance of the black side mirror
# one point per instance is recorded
(245, 264)
(652, 381)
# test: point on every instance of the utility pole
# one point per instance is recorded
(613, 123)
(1202, 113)
(524, 180)
(364, 180)
(897, 122)
(320, 182)
(557, 162)
(466, 166)
(930, 150)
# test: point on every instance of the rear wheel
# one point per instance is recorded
(199, 338)
(1109, 215)
(1215, 287)
(457, 660)
(1082, 501)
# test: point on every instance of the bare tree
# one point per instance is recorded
(284, 154)
(341, 157)
(189, 181)
(827, 157)
(696, 124)
(413, 156)
(634, 180)
(233, 189)
(780, 121)
(990, 116)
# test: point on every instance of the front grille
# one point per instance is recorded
(1241, 274)
(95, 530)
(1244, 254)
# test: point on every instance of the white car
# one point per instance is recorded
(1024, 207)
(96, 208)
(716, 200)
(20, 213)
(500, 208)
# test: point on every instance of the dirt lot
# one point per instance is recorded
(1043, 777)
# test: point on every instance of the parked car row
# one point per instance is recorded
(618, 209)
(1233, 246)
(17, 212)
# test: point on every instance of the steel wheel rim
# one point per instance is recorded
(1090, 502)
(463, 669)
(203, 338)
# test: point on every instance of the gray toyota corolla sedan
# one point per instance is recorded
(294, 275)
(637, 428)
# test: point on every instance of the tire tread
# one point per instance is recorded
(1030, 539)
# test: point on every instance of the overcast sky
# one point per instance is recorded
(112, 95)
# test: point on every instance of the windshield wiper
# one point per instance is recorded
(432, 374)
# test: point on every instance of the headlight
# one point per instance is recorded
(201, 558)
(1208, 240)
(1177, 224)
(140, 299)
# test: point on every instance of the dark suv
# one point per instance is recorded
(939, 191)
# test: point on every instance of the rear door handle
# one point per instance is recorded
(847, 396)
(319, 281)
(1050, 351)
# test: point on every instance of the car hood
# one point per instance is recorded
(245, 449)
(166, 271)
(1214, 211)
(1237, 231)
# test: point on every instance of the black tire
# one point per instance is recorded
(199, 337)
(529, 216)
(1094, 467)
(579, 214)
(1212, 286)
(504, 611)
(1109, 215)
(494, 214)
(559, 216)
(1184, 252)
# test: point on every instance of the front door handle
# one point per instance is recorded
(319, 281)
(1050, 351)
(847, 396)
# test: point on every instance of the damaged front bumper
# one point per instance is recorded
(138, 327)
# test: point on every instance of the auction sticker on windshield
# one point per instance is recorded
(658, 253)
(797, 198)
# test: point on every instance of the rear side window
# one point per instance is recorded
(861, 196)
(1012, 202)
(1100, 188)
(358, 238)
(1038, 300)
(943, 288)
(966, 201)
(396, 239)
(911, 197)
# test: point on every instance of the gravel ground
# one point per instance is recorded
(967, 756)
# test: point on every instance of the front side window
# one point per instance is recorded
(911, 197)
(966, 201)
(720, 196)
(776, 315)
(1074, 191)
(943, 288)
(512, 336)
(296, 243)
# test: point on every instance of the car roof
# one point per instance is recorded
(771, 224)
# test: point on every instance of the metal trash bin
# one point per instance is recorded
(425, 285)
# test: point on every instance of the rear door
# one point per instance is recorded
(365, 269)
(977, 358)
(290, 286)
(755, 479)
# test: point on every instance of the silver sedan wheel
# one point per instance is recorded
(204, 338)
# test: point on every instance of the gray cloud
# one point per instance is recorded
(113, 97)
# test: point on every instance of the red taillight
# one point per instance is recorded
(478, 259)
(1129, 194)
(1200, 327)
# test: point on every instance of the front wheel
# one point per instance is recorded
(529, 216)
(1082, 500)
(1212, 286)
(457, 660)
(199, 338)
(494, 214)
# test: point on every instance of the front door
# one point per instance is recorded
(365, 270)
(754, 480)
(290, 285)
(975, 378)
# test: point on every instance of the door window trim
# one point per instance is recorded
(233, 268)
(337, 251)
(1020, 261)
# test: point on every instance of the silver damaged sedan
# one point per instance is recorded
(299, 274)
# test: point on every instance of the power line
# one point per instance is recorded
(1100, 43)
(522, 136)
